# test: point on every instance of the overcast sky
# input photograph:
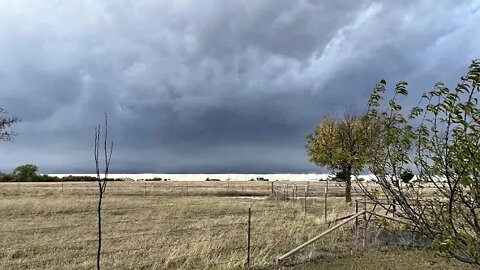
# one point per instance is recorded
(210, 86)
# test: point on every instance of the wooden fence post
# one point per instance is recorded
(295, 250)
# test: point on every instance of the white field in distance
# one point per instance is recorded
(221, 177)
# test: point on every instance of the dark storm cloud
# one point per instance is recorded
(196, 86)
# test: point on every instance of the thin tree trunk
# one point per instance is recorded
(102, 184)
(347, 172)
(99, 211)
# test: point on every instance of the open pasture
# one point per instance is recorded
(168, 225)
(43, 228)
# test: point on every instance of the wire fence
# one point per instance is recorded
(279, 189)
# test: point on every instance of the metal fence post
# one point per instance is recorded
(356, 219)
(308, 187)
(326, 203)
(249, 230)
(305, 201)
(365, 221)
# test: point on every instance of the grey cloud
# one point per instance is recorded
(210, 86)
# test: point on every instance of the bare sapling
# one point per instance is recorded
(102, 182)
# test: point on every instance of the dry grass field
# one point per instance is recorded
(166, 225)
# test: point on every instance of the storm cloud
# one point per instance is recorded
(210, 86)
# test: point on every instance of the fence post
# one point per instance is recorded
(308, 187)
(356, 219)
(272, 188)
(62, 185)
(325, 202)
(365, 221)
(305, 200)
(249, 229)
(186, 191)
(145, 187)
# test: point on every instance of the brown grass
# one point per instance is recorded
(43, 228)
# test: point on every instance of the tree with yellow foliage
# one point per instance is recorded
(344, 146)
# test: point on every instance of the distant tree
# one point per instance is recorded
(6, 134)
(26, 172)
(342, 146)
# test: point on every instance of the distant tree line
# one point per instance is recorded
(29, 173)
